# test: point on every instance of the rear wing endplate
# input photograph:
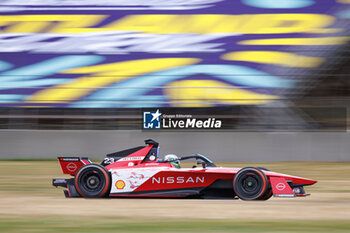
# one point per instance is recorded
(70, 165)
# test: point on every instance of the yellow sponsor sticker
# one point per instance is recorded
(120, 184)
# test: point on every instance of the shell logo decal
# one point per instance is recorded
(120, 184)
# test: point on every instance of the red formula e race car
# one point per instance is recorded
(138, 172)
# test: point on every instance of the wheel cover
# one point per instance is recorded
(91, 181)
(250, 183)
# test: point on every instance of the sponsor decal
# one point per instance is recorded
(130, 164)
(152, 157)
(120, 184)
(284, 195)
(71, 167)
(59, 181)
(70, 159)
(151, 164)
(280, 186)
(297, 190)
(131, 158)
(177, 180)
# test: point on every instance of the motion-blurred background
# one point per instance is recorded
(75, 75)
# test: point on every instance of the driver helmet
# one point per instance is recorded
(173, 160)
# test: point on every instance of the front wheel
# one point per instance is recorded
(92, 180)
(267, 195)
(250, 184)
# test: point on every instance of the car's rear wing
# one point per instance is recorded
(70, 165)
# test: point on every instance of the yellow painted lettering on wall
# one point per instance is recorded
(344, 1)
(79, 24)
(247, 24)
(201, 24)
(104, 75)
(275, 58)
(49, 23)
(27, 27)
(206, 93)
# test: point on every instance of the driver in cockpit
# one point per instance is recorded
(173, 160)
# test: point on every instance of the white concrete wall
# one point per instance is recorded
(219, 146)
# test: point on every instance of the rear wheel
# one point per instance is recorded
(92, 180)
(251, 184)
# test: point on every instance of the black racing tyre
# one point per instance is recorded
(262, 168)
(268, 192)
(92, 180)
(250, 184)
(267, 195)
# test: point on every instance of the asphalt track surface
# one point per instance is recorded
(316, 207)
